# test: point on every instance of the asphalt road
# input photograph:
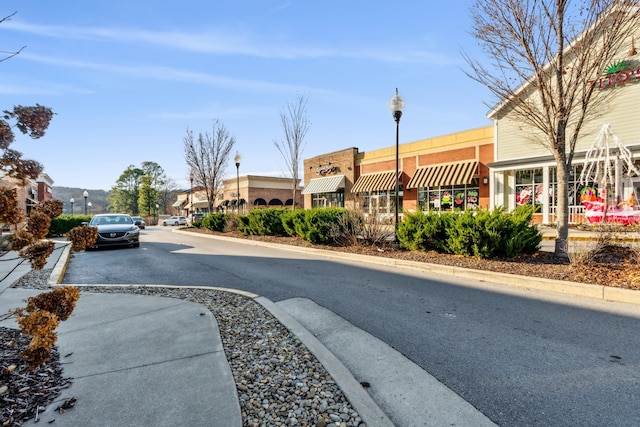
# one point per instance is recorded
(523, 358)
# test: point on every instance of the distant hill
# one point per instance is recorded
(97, 198)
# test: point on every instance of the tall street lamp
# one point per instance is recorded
(237, 159)
(72, 202)
(396, 105)
(85, 195)
(191, 193)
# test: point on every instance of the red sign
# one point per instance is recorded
(616, 78)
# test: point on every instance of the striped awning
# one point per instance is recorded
(380, 181)
(328, 184)
(460, 173)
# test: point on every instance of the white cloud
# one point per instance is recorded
(228, 43)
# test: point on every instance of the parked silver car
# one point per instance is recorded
(175, 220)
(115, 230)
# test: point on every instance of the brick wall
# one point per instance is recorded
(332, 164)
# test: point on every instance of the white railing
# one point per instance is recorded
(576, 215)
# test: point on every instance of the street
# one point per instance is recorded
(520, 357)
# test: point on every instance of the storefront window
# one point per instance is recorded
(449, 198)
(381, 204)
(529, 187)
(576, 191)
(326, 200)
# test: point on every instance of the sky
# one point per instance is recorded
(127, 79)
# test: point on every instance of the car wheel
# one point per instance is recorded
(164, 224)
(176, 223)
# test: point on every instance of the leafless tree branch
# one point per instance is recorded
(295, 125)
(10, 54)
(543, 57)
(207, 157)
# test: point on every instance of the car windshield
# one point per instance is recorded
(111, 219)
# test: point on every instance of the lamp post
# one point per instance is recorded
(396, 105)
(89, 205)
(157, 206)
(237, 159)
(85, 195)
(191, 192)
(72, 202)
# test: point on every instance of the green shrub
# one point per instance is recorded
(463, 233)
(214, 221)
(524, 238)
(62, 224)
(262, 222)
(423, 232)
(293, 222)
(317, 223)
(480, 233)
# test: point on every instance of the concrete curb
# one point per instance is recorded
(366, 407)
(599, 292)
(61, 266)
(206, 288)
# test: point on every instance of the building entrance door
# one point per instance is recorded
(379, 207)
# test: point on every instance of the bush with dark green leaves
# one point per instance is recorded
(262, 222)
(425, 232)
(292, 222)
(480, 233)
(314, 225)
(214, 222)
(64, 223)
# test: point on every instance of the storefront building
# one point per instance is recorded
(525, 173)
(253, 191)
(240, 196)
(445, 173)
(29, 193)
(329, 179)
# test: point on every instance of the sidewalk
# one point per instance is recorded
(134, 360)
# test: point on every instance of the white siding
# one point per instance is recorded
(513, 138)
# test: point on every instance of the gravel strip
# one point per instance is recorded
(279, 381)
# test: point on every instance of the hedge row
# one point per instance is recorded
(62, 224)
(480, 233)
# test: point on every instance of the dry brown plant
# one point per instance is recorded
(41, 317)
(83, 237)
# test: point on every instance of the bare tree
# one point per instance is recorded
(295, 125)
(544, 56)
(9, 55)
(167, 196)
(207, 158)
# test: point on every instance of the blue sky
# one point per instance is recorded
(126, 79)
